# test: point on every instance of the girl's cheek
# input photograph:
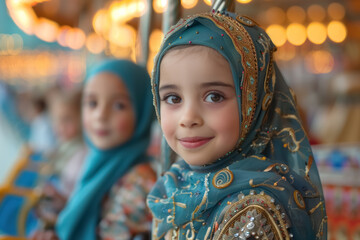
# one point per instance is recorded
(123, 124)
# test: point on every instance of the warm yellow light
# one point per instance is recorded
(123, 36)
(95, 43)
(316, 32)
(61, 38)
(277, 34)
(275, 15)
(75, 38)
(316, 13)
(243, 1)
(336, 31)
(46, 30)
(286, 52)
(160, 5)
(296, 14)
(319, 62)
(207, 2)
(119, 52)
(188, 4)
(336, 11)
(101, 22)
(141, 7)
(296, 34)
(118, 11)
(24, 18)
(155, 40)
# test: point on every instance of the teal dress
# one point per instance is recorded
(268, 186)
(102, 169)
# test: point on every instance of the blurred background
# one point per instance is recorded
(50, 44)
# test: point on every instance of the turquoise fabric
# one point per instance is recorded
(103, 169)
(273, 154)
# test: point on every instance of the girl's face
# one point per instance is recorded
(66, 120)
(108, 115)
(198, 109)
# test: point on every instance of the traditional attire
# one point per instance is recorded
(268, 186)
(103, 169)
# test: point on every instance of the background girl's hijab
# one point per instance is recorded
(272, 144)
(103, 169)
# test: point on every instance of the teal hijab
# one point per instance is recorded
(272, 158)
(103, 168)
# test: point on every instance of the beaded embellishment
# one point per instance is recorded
(255, 216)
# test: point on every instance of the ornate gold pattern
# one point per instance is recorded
(242, 42)
(223, 178)
(299, 200)
(254, 215)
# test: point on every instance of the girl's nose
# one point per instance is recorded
(101, 112)
(191, 117)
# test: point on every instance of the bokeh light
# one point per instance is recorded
(95, 43)
(336, 11)
(207, 2)
(296, 34)
(155, 40)
(275, 15)
(296, 14)
(277, 34)
(160, 5)
(319, 62)
(336, 31)
(316, 13)
(316, 32)
(243, 1)
(188, 4)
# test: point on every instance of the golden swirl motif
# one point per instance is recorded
(223, 178)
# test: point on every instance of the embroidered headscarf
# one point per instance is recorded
(273, 154)
(103, 168)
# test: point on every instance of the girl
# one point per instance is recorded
(109, 199)
(247, 170)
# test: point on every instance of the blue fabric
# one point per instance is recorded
(103, 169)
(271, 138)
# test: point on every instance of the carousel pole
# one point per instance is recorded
(144, 34)
(223, 5)
(171, 14)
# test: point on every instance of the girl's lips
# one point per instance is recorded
(194, 142)
(102, 133)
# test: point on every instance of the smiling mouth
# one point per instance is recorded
(194, 142)
(102, 133)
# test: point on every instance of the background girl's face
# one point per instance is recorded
(198, 109)
(108, 115)
(66, 120)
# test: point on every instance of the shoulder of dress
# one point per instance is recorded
(253, 216)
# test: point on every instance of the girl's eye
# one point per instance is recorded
(119, 106)
(91, 103)
(214, 98)
(172, 99)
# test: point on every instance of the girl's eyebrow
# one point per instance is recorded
(215, 84)
(168, 87)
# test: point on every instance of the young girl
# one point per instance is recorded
(109, 199)
(64, 163)
(247, 170)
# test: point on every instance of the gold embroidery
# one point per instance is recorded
(299, 200)
(251, 183)
(222, 178)
(253, 215)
